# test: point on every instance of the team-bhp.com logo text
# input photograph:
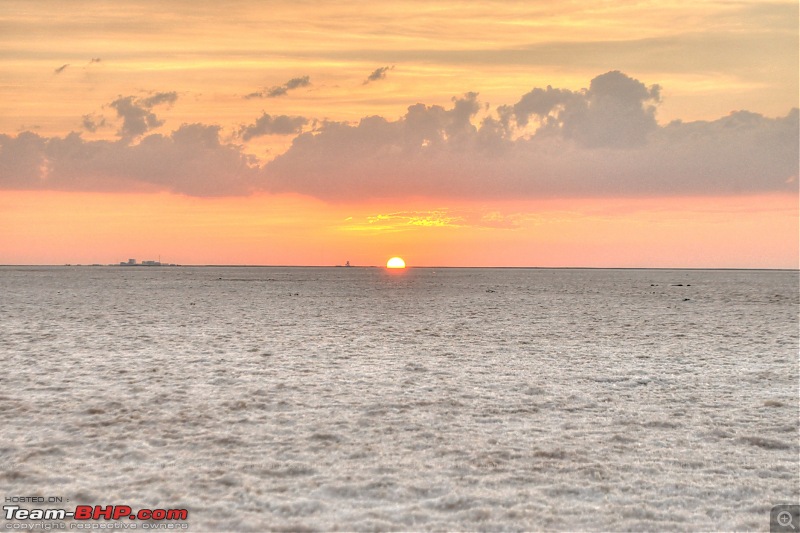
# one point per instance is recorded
(96, 512)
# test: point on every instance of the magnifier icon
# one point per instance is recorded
(785, 519)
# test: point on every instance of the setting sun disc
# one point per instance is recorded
(395, 262)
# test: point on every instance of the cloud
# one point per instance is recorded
(137, 117)
(378, 74)
(92, 123)
(615, 111)
(281, 90)
(601, 141)
(436, 218)
(159, 98)
(709, 50)
(275, 92)
(61, 69)
(297, 82)
(192, 160)
(272, 125)
(404, 220)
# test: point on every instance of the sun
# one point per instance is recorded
(395, 262)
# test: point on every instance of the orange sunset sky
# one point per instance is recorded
(541, 133)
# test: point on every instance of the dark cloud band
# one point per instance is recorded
(601, 141)
(281, 90)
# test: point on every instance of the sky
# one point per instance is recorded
(540, 133)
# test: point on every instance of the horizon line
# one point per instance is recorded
(211, 265)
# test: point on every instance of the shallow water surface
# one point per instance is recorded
(427, 399)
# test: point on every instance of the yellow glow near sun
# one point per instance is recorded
(395, 262)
